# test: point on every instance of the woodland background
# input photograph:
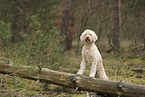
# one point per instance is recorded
(46, 32)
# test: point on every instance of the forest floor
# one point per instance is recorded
(129, 67)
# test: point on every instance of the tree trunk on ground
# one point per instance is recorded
(67, 24)
(115, 35)
(74, 81)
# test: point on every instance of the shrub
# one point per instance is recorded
(41, 46)
(5, 33)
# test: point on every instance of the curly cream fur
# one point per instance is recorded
(91, 56)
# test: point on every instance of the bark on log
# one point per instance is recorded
(75, 81)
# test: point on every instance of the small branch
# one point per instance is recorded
(16, 72)
(1, 58)
(35, 84)
(2, 80)
(124, 20)
(76, 89)
(40, 68)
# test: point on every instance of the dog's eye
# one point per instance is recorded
(90, 34)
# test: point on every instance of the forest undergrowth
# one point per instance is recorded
(43, 47)
(118, 68)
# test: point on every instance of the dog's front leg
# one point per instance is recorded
(93, 69)
(82, 67)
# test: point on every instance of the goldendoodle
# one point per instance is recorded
(91, 56)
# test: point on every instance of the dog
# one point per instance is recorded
(91, 56)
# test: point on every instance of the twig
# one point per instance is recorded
(35, 84)
(6, 59)
(40, 68)
(2, 80)
(16, 72)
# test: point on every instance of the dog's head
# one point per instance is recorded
(88, 36)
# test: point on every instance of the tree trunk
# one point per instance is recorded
(74, 81)
(16, 36)
(67, 24)
(24, 23)
(143, 26)
(144, 43)
(115, 35)
(119, 9)
(83, 23)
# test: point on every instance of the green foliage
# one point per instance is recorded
(41, 46)
(34, 22)
(5, 32)
(121, 57)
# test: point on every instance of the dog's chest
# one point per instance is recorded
(89, 54)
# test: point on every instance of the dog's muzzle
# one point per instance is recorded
(87, 39)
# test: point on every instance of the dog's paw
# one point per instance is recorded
(92, 76)
(79, 73)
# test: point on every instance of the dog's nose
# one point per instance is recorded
(87, 37)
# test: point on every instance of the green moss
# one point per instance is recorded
(132, 80)
(135, 61)
(79, 95)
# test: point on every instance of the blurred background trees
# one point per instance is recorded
(115, 34)
(113, 21)
(67, 24)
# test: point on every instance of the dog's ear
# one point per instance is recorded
(95, 37)
(82, 37)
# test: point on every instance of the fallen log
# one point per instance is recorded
(74, 81)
